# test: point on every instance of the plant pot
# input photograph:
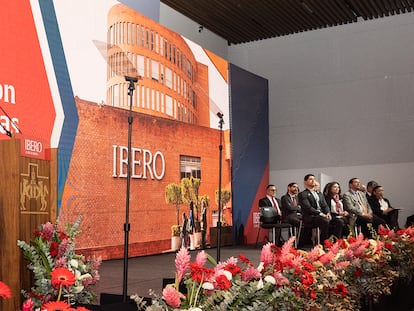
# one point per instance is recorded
(175, 243)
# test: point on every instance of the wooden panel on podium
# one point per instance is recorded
(27, 199)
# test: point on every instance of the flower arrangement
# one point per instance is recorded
(339, 275)
(52, 259)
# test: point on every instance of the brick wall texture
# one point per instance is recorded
(94, 193)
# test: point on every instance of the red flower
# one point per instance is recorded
(223, 282)
(54, 249)
(4, 290)
(82, 309)
(307, 278)
(56, 306)
(308, 266)
(234, 269)
(341, 289)
(383, 230)
(388, 246)
(245, 260)
(358, 272)
(327, 243)
(62, 277)
(312, 294)
(199, 273)
(351, 240)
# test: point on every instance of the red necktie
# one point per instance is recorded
(275, 205)
(294, 201)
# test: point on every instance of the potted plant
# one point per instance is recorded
(173, 196)
(190, 195)
(175, 237)
(226, 216)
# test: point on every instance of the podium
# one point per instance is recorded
(28, 198)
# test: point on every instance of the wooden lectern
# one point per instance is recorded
(28, 198)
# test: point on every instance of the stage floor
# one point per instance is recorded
(148, 272)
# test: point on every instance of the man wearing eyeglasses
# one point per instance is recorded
(271, 200)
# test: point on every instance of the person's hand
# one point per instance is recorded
(367, 215)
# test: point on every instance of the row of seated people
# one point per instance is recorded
(330, 211)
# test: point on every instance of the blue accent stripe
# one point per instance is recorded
(249, 123)
(70, 124)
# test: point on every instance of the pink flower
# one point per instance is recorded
(201, 258)
(27, 305)
(250, 273)
(182, 263)
(280, 279)
(47, 231)
(171, 296)
(267, 254)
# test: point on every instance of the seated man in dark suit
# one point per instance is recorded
(271, 200)
(315, 211)
(382, 207)
(290, 205)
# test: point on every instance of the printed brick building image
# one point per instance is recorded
(173, 136)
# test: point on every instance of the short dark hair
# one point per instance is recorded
(352, 180)
(270, 185)
(371, 183)
(307, 176)
(292, 183)
(376, 187)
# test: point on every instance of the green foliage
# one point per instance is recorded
(225, 196)
(173, 196)
(175, 230)
(189, 190)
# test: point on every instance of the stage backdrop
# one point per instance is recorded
(62, 86)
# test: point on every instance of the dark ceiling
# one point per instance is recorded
(240, 21)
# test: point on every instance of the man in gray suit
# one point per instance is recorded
(356, 203)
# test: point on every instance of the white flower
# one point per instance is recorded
(74, 263)
(77, 289)
(260, 267)
(228, 275)
(260, 284)
(270, 279)
(208, 286)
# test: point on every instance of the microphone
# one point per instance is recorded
(219, 114)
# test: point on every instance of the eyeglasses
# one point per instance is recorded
(272, 189)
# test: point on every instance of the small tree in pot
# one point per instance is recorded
(173, 196)
(225, 198)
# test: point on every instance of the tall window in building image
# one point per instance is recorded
(190, 166)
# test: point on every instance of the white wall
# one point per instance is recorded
(341, 100)
(341, 103)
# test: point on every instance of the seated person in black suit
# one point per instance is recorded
(382, 207)
(315, 211)
(271, 200)
(290, 205)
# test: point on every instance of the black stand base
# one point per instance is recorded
(114, 302)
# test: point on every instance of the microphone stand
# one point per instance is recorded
(220, 115)
(131, 89)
